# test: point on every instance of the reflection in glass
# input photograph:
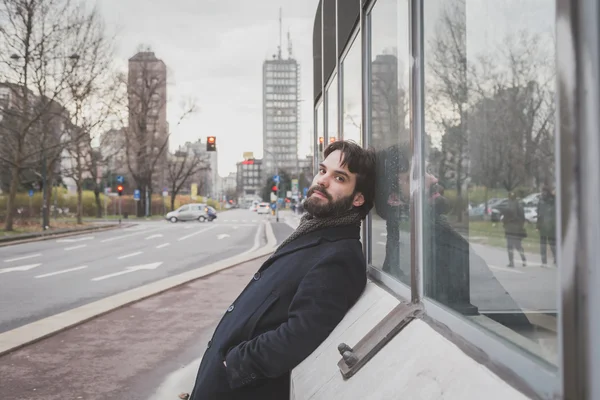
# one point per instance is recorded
(332, 111)
(319, 134)
(390, 137)
(489, 208)
(352, 92)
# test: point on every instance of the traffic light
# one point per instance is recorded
(332, 139)
(120, 190)
(211, 143)
(274, 188)
(321, 139)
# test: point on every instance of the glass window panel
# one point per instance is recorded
(332, 109)
(489, 235)
(390, 137)
(319, 133)
(352, 92)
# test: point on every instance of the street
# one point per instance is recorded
(45, 278)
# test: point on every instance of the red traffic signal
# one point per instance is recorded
(274, 188)
(332, 139)
(211, 143)
(120, 190)
(321, 139)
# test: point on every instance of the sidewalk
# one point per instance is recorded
(129, 353)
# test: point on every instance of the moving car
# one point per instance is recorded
(189, 212)
(263, 208)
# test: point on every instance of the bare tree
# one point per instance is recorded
(39, 42)
(451, 88)
(181, 169)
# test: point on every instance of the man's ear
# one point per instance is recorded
(359, 200)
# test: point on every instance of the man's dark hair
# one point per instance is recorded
(361, 162)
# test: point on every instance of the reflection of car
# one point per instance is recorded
(189, 212)
(263, 208)
(477, 212)
(531, 214)
(497, 209)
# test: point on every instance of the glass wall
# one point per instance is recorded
(352, 93)
(389, 136)
(332, 111)
(489, 213)
(319, 134)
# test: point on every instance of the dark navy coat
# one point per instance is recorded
(288, 309)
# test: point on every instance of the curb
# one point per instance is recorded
(49, 236)
(38, 330)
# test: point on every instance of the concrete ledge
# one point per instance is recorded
(37, 237)
(35, 331)
(419, 363)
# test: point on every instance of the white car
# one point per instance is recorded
(263, 208)
(531, 214)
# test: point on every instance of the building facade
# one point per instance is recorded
(446, 85)
(281, 123)
(249, 180)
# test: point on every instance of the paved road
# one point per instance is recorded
(41, 279)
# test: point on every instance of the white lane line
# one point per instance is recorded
(196, 233)
(75, 247)
(130, 234)
(503, 269)
(22, 257)
(234, 220)
(81, 239)
(225, 220)
(160, 246)
(381, 243)
(22, 268)
(189, 227)
(222, 236)
(244, 220)
(158, 235)
(128, 270)
(64, 271)
(253, 220)
(137, 253)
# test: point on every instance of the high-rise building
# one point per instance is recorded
(281, 123)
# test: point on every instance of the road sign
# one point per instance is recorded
(305, 191)
(120, 179)
(276, 179)
(107, 190)
(136, 194)
(30, 192)
(294, 187)
(165, 193)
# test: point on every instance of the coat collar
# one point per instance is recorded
(314, 238)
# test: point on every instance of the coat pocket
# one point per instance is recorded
(260, 312)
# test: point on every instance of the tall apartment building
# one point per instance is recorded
(207, 180)
(281, 123)
(147, 96)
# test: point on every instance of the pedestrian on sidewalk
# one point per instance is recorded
(546, 223)
(300, 294)
(514, 229)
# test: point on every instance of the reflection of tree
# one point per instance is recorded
(450, 92)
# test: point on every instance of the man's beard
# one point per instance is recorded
(322, 208)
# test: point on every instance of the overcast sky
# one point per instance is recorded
(214, 50)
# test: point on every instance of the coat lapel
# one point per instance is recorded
(313, 239)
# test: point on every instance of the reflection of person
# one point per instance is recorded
(300, 293)
(546, 223)
(514, 228)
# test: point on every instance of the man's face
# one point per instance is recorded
(333, 189)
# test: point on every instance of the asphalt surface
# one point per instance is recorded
(41, 279)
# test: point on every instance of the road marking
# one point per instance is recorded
(504, 269)
(254, 220)
(222, 236)
(128, 270)
(196, 233)
(158, 235)
(160, 246)
(75, 247)
(234, 220)
(384, 234)
(64, 271)
(137, 253)
(22, 268)
(225, 220)
(130, 234)
(381, 243)
(189, 227)
(81, 239)
(244, 220)
(22, 257)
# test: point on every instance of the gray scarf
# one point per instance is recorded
(309, 223)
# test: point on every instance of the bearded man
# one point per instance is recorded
(300, 293)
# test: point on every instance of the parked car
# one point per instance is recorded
(189, 212)
(263, 208)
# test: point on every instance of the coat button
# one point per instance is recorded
(253, 376)
(209, 344)
(256, 276)
(230, 309)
